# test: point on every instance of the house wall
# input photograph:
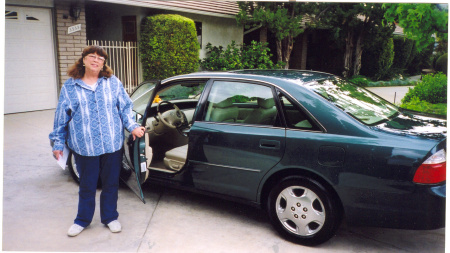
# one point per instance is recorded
(105, 20)
(69, 46)
(105, 23)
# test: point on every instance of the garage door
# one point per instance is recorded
(30, 73)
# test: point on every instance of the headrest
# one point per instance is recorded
(225, 103)
(266, 103)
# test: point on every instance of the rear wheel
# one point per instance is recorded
(303, 210)
(71, 163)
(73, 168)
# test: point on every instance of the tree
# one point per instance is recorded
(283, 19)
(356, 25)
(419, 21)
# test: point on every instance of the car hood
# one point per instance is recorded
(407, 123)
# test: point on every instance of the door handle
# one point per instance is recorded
(269, 144)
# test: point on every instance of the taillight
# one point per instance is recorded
(432, 171)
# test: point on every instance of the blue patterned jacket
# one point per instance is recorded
(92, 122)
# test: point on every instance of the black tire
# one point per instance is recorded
(303, 211)
(73, 168)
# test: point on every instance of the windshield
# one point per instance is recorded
(185, 90)
(355, 101)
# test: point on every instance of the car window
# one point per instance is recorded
(141, 96)
(295, 117)
(239, 102)
(355, 101)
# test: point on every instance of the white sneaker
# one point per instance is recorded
(115, 226)
(74, 230)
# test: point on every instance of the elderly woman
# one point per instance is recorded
(92, 111)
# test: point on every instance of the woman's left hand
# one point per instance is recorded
(138, 132)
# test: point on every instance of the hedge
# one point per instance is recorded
(168, 46)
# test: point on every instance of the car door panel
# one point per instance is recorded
(231, 159)
(137, 154)
(226, 155)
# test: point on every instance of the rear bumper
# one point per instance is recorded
(421, 209)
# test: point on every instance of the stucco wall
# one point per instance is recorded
(217, 31)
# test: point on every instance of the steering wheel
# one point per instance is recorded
(173, 118)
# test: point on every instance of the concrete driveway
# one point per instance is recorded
(392, 94)
(40, 203)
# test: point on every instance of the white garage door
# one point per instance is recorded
(30, 73)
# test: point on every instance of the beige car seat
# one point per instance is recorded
(264, 114)
(176, 158)
(224, 111)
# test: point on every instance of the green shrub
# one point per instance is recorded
(441, 64)
(402, 52)
(395, 82)
(416, 104)
(219, 59)
(432, 89)
(168, 46)
(386, 59)
(377, 60)
(254, 56)
(359, 80)
(420, 60)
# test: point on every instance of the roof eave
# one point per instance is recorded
(154, 5)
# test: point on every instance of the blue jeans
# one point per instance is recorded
(90, 168)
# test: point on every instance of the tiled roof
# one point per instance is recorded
(212, 8)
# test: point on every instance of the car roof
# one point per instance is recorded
(277, 76)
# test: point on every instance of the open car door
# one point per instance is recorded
(141, 154)
(138, 153)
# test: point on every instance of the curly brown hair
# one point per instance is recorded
(77, 70)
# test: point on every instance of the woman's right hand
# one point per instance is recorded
(57, 154)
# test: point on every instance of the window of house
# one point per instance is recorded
(129, 32)
(30, 18)
(198, 27)
(11, 15)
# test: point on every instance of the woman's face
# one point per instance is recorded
(93, 62)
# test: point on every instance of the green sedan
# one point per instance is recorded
(308, 147)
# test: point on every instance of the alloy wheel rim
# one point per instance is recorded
(300, 210)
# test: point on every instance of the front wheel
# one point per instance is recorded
(303, 211)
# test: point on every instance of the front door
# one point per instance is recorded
(237, 139)
(129, 31)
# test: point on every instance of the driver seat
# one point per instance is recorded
(176, 158)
